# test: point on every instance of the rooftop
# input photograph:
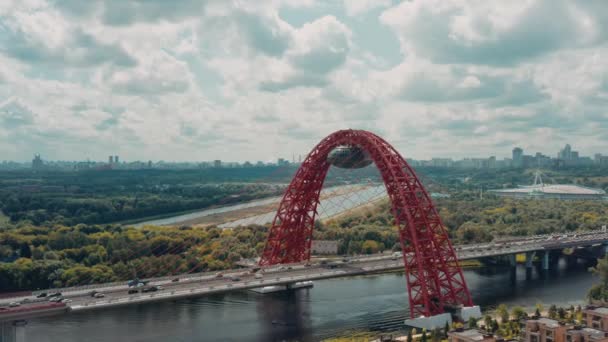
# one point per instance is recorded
(550, 323)
(594, 333)
(601, 311)
(566, 189)
(472, 334)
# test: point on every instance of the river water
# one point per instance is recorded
(333, 308)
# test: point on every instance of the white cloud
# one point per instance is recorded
(357, 7)
(235, 79)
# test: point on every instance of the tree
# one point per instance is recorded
(502, 313)
(518, 313)
(539, 308)
(370, 247)
(494, 326)
(409, 336)
(446, 329)
(424, 338)
(561, 313)
(472, 322)
(487, 321)
(600, 291)
(537, 313)
(553, 312)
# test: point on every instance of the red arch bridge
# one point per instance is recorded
(434, 278)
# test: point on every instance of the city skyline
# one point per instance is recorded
(517, 158)
(241, 80)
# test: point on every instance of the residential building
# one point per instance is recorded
(596, 317)
(578, 334)
(545, 330)
(37, 162)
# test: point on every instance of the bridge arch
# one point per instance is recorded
(433, 275)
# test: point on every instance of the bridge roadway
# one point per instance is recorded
(193, 285)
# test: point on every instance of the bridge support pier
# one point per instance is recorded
(545, 261)
(513, 267)
(529, 260)
(13, 331)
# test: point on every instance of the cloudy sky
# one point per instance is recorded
(254, 80)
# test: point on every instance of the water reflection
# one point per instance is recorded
(286, 316)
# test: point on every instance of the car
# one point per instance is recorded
(132, 291)
(99, 295)
(56, 294)
(235, 278)
(41, 295)
(14, 304)
(56, 299)
(153, 288)
(307, 264)
(259, 275)
(175, 280)
(93, 293)
(219, 275)
(26, 300)
(65, 300)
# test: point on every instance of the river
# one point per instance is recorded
(333, 308)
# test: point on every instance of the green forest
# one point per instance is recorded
(44, 256)
(59, 229)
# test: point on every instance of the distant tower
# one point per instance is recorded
(110, 160)
(37, 162)
(518, 157)
(115, 159)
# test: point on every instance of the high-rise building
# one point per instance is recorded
(565, 153)
(115, 159)
(518, 154)
(217, 163)
(37, 162)
(110, 160)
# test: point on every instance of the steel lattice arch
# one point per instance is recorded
(433, 275)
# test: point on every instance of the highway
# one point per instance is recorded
(193, 285)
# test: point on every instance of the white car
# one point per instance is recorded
(14, 304)
(99, 295)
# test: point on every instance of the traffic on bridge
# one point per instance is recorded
(99, 296)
